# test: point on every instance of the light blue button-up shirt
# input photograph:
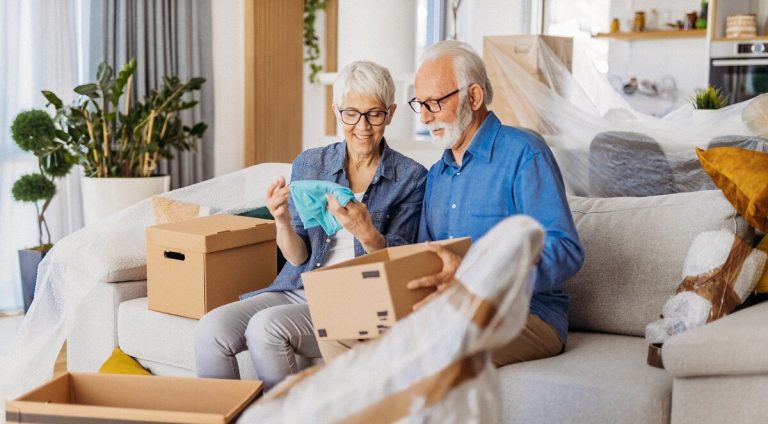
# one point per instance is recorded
(507, 171)
(393, 199)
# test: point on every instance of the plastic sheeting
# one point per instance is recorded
(109, 251)
(434, 365)
(603, 147)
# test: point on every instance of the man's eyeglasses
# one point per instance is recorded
(352, 116)
(433, 106)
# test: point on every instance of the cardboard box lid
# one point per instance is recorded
(131, 398)
(397, 252)
(212, 233)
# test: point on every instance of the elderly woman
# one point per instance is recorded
(274, 324)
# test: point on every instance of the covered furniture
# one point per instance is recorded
(635, 249)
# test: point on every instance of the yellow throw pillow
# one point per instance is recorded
(742, 175)
(762, 283)
(120, 363)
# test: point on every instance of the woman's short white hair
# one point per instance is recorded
(467, 65)
(366, 79)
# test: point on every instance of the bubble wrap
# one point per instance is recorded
(686, 310)
(376, 381)
(112, 250)
(605, 148)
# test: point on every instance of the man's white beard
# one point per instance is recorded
(453, 131)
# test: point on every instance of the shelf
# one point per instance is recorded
(757, 38)
(650, 35)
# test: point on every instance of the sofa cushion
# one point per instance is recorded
(600, 378)
(164, 343)
(634, 253)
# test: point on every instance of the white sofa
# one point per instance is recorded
(635, 248)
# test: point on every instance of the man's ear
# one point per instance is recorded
(335, 110)
(391, 113)
(476, 96)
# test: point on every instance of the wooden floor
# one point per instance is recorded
(61, 362)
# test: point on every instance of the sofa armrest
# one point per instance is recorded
(733, 345)
(94, 335)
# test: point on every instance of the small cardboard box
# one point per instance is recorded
(513, 105)
(197, 265)
(363, 297)
(525, 50)
(91, 398)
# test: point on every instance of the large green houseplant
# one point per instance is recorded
(114, 136)
(112, 142)
(34, 131)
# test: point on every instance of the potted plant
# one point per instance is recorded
(709, 98)
(34, 131)
(119, 140)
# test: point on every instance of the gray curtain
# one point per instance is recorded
(166, 37)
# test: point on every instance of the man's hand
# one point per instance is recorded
(277, 202)
(355, 218)
(443, 279)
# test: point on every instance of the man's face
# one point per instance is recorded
(434, 80)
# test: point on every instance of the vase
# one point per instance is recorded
(104, 196)
(29, 259)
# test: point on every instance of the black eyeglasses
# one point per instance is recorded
(433, 106)
(352, 116)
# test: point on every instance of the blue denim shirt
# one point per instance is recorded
(393, 200)
(508, 171)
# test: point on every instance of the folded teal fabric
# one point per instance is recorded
(309, 201)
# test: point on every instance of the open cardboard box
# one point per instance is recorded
(363, 297)
(197, 265)
(97, 398)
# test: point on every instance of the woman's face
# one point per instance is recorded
(362, 137)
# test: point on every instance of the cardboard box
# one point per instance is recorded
(512, 105)
(91, 398)
(197, 265)
(363, 297)
(525, 50)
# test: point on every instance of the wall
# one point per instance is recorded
(686, 60)
(228, 74)
(478, 18)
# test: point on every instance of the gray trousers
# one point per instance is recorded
(274, 327)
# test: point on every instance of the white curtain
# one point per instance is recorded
(39, 50)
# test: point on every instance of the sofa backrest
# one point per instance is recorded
(635, 248)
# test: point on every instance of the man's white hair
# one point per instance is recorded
(467, 65)
(366, 79)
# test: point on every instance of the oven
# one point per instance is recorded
(739, 69)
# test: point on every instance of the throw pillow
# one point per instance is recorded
(168, 210)
(762, 283)
(120, 363)
(720, 271)
(741, 175)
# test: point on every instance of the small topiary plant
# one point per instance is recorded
(709, 98)
(34, 131)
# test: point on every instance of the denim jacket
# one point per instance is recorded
(393, 200)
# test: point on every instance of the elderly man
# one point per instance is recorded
(490, 171)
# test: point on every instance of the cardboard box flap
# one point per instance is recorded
(212, 233)
(457, 245)
(148, 398)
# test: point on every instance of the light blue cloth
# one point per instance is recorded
(312, 206)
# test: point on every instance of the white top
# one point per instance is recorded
(342, 243)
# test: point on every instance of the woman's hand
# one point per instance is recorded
(277, 202)
(355, 218)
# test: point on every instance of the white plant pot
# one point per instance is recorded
(104, 196)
